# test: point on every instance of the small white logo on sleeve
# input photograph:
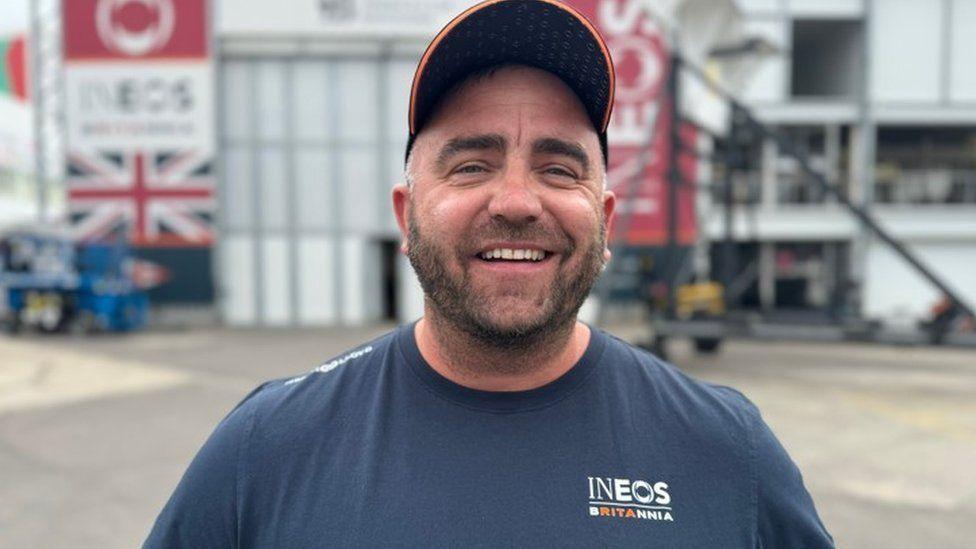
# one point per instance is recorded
(332, 365)
(626, 498)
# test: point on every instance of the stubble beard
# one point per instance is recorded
(456, 301)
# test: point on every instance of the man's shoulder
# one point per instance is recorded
(720, 422)
(673, 388)
(320, 388)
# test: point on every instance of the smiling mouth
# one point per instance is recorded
(514, 254)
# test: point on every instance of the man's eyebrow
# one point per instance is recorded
(484, 142)
(551, 145)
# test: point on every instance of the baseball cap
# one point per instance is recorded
(545, 34)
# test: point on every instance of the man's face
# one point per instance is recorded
(509, 166)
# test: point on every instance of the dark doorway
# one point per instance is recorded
(390, 250)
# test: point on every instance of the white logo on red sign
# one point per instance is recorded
(644, 81)
(134, 27)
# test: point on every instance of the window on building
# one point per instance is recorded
(826, 58)
(826, 149)
(746, 172)
(926, 165)
(796, 276)
(769, 175)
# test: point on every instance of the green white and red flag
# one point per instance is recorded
(13, 68)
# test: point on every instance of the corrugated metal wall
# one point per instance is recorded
(310, 146)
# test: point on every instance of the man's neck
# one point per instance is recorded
(458, 357)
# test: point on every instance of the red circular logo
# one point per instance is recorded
(134, 27)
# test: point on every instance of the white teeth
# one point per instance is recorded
(514, 255)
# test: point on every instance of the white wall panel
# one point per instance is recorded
(238, 198)
(801, 223)
(962, 79)
(359, 194)
(358, 101)
(398, 97)
(396, 160)
(273, 178)
(768, 83)
(316, 280)
(236, 99)
(759, 6)
(350, 18)
(341, 183)
(896, 293)
(395, 176)
(354, 289)
(237, 288)
(906, 48)
(310, 100)
(276, 280)
(314, 188)
(361, 285)
(271, 99)
(826, 8)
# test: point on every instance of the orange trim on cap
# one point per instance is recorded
(463, 15)
(430, 50)
(606, 54)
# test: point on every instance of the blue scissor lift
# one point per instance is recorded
(50, 282)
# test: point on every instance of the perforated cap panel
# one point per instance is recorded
(538, 33)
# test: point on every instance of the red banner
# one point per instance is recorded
(639, 133)
(135, 29)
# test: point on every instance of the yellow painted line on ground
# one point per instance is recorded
(33, 376)
(901, 472)
(934, 418)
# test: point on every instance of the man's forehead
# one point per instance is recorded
(520, 104)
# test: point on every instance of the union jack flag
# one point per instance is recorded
(154, 199)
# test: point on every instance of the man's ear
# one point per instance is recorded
(401, 208)
(609, 204)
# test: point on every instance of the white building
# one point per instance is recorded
(312, 106)
(882, 95)
(312, 116)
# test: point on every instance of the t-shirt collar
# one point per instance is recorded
(501, 401)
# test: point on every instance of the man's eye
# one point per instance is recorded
(470, 168)
(563, 172)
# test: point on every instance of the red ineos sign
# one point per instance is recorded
(639, 132)
(139, 29)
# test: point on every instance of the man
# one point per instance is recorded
(498, 419)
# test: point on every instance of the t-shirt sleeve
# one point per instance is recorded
(786, 514)
(202, 512)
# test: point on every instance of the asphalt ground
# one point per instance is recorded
(95, 432)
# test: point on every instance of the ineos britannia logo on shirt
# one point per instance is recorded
(626, 498)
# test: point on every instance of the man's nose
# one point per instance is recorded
(515, 198)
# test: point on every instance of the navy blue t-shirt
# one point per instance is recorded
(376, 449)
